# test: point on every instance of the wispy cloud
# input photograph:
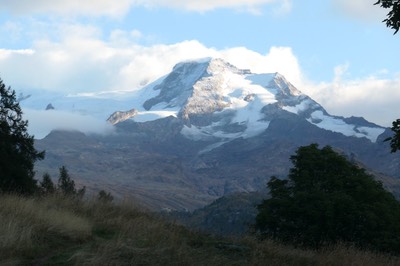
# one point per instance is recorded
(42, 122)
(72, 7)
(206, 5)
(360, 9)
(121, 7)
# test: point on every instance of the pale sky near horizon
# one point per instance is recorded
(337, 51)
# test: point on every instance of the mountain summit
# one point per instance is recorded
(216, 100)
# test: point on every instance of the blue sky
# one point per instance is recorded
(337, 51)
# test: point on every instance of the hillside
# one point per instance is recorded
(234, 214)
(58, 231)
(230, 215)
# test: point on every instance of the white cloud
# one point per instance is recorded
(121, 7)
(71, 7)
(42, 122)
(205, 5)
(375, 98)
(6, 53)
(278, 59)
(81, 61)
(360, 9)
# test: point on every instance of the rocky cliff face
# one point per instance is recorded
(120, 116)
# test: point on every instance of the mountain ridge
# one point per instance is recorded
(215, 99)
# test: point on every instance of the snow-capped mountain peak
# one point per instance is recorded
(216, 100)
(213, 99)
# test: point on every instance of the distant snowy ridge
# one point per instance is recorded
(214, 100)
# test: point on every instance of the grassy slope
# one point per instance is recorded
(61, 231)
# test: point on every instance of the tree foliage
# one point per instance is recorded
(393, 17)
(17, 151)
(395, 140)
(105, 197)
(66, 185)
(46, 185)
(393, 21)
(327, 199)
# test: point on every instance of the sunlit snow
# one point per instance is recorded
(152, 115)
(297, 109)
(246, 99)
(338, 125)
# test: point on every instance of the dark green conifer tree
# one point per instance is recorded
(327, 199)
(105, 197)
(46, 185)
(395, 140)
(17, 151)
(393, 21)
(65, 184)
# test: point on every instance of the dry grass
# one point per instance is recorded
(55, 230)
(27, 222)
(338, 255)
(346, 255)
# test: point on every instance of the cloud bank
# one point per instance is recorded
(82, 62)
(206, 5)
(42, 122)
(375, 97)
(71, 7)
(121, 7)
